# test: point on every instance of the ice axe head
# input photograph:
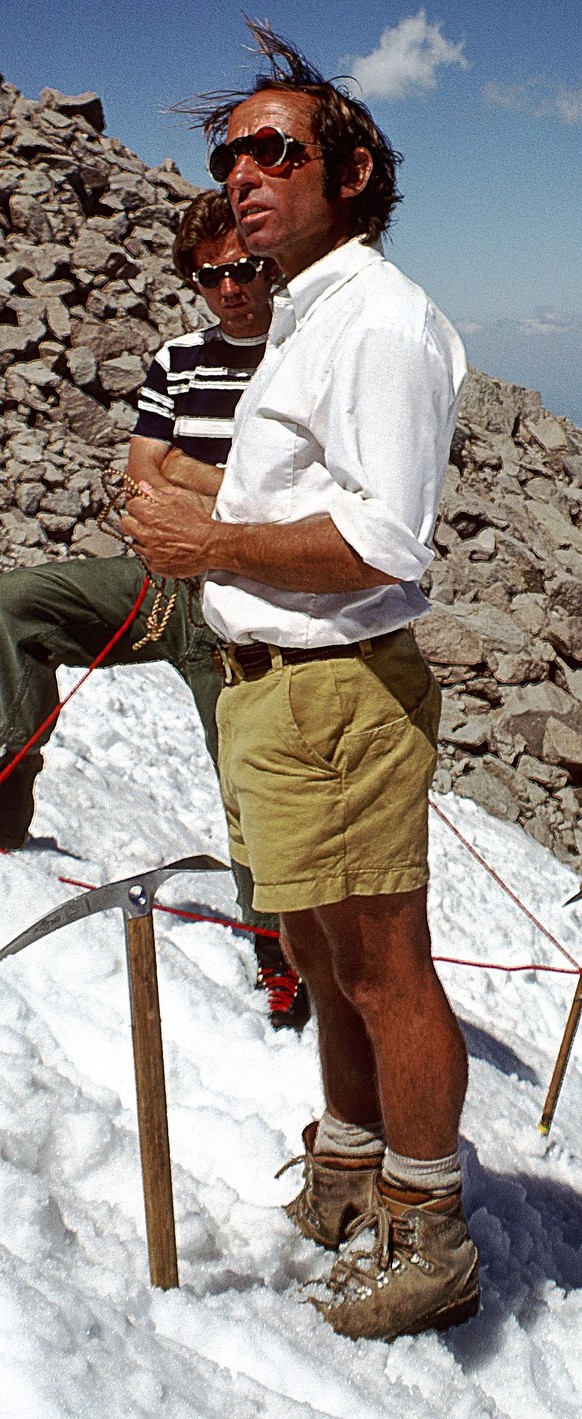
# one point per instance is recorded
(134, 895)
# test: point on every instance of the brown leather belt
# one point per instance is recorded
(249, 662)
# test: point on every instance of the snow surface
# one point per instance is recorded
(128, 786)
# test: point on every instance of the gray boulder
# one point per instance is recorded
(87, 106)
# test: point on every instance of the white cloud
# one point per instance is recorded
(569, 104)
(469, 327)
(544, 321)
(406, 59)
(537, 97)
(548, 322)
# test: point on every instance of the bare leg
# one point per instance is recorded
(379, 964)
(349, 1072)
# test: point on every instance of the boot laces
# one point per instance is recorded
(281, 987)
(394, 1241)
(292, 1163)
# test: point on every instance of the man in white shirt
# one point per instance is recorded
(329, 716)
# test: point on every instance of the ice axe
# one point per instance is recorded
(135, 896)
(565, 1049)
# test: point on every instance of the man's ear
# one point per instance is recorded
(356, 173)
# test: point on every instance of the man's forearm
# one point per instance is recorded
(186, 472)
(159, 464)
(176, 536)
(145, 459)
(310, 555)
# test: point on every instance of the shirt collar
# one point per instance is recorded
(319, 281)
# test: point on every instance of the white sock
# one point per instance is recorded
(438, 1176)
(348, 1139)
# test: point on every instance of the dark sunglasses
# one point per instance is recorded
(268, 148)
(242, 271)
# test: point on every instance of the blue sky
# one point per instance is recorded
(484, 102)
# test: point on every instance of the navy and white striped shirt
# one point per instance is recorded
(193, 388)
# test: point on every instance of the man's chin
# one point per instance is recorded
(254, 232)
(237, 325)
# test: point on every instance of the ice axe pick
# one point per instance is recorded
(135, 896)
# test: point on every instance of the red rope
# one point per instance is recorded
(263, 931)
(493, 966)
(505, 888)
(50, 719)
(221, 921)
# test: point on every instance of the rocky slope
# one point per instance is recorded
(88, 293)
(505, 635)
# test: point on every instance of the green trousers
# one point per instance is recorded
(64, 613)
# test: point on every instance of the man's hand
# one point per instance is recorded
(176, 536)
(170, 528)
(191, 473)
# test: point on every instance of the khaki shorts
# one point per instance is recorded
(325, 768)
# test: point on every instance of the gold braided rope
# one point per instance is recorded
(159, 616)
(165, 599)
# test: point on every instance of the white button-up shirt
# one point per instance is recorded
(350, 414)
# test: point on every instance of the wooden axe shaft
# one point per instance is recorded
(557, 1079)
(151, 1101)
(134, 895)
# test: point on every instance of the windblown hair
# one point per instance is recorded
(340, 123)
(208, 217)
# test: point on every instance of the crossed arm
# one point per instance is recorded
(161, 465)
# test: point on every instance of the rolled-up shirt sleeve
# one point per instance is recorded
(389, 404)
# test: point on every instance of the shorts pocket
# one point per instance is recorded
(314, 719)
(399, 684)
(427, 716)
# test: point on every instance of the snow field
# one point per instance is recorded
(128, 785)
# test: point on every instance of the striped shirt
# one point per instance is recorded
(192, 391)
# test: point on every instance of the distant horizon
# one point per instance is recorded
(486, 108)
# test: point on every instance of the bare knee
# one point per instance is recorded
(304, 945)
(380, 948)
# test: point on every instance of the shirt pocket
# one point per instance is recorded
(258, 485)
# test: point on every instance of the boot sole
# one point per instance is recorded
(457, 1314)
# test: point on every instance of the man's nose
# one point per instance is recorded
(245, 171)
(229, 285)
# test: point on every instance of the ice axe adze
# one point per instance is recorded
(565, 1050)
(135, 896)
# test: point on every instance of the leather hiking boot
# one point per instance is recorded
(420, 1272)
(335, 1191)
(289, 1007)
